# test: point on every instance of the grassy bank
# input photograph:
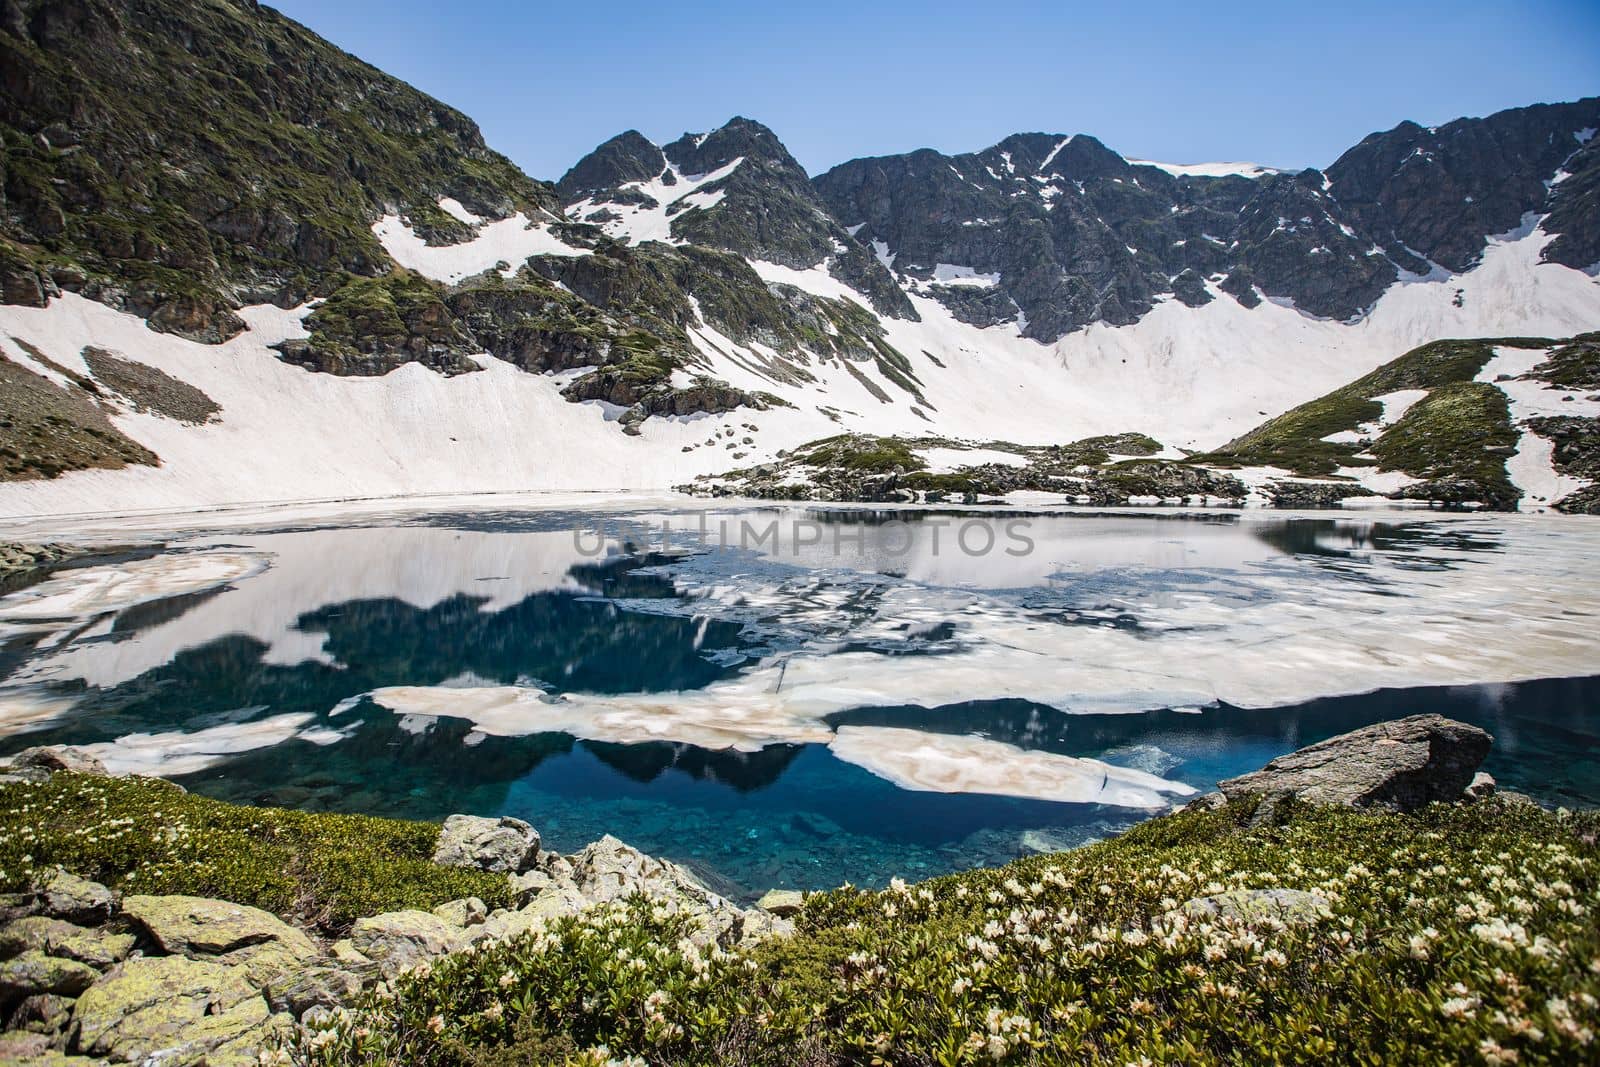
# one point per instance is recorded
(1462, 935)
(145, 835)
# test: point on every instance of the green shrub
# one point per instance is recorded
(861, 452)
(144, 835)
(1461, 935)
(1294, 440)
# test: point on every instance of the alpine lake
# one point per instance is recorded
(796, 696)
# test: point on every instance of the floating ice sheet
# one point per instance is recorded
(944, 763)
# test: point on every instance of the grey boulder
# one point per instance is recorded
(1401, 765)
(66, 896)
(504, 845)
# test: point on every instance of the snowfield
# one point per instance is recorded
(1190, 377)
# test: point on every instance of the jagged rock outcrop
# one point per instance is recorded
(15, 558)
(1077, 234)
(1102, 471)
(764, 208)
(1402, 765)
(1433, 195)
(627, 157)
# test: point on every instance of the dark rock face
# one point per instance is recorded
(1576, 452)
(1438, 193)
(768, 208)
(627, 157)
(1080, 235)
(1575, 211)
(370, 326)
(1402, 765)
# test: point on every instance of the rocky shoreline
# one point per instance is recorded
(18, 558)
(94, 976)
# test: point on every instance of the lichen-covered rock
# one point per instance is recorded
(344, 951)
(199, 926)
(530, 884)
(21, 1046)
(468, 912)
(399, 940)
(150, 1004)
(66, 896)
(781, 901)
(42, 1013)
(33, 932)
(1402, 765)
(98, 947)
(267, 960)
(34, 972)
(320, 985)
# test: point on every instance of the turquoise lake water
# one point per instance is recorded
(416, 667)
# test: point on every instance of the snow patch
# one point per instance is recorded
(511, 241)
(452, 207)
(951, 274)
(1209, 170)
(175, 753)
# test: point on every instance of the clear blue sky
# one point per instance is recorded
(1282, 82)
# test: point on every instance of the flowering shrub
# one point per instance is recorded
(144, 835)
(1462, 935)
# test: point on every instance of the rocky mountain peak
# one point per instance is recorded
(113, 190)
(627, 157)
(738, 138)
(736, 189)
(1433, 195)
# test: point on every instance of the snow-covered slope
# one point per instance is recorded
(1191, 377)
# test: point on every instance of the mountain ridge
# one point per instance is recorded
(333, 241)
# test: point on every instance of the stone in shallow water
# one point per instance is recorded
(504, 845)
(1401, 765)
